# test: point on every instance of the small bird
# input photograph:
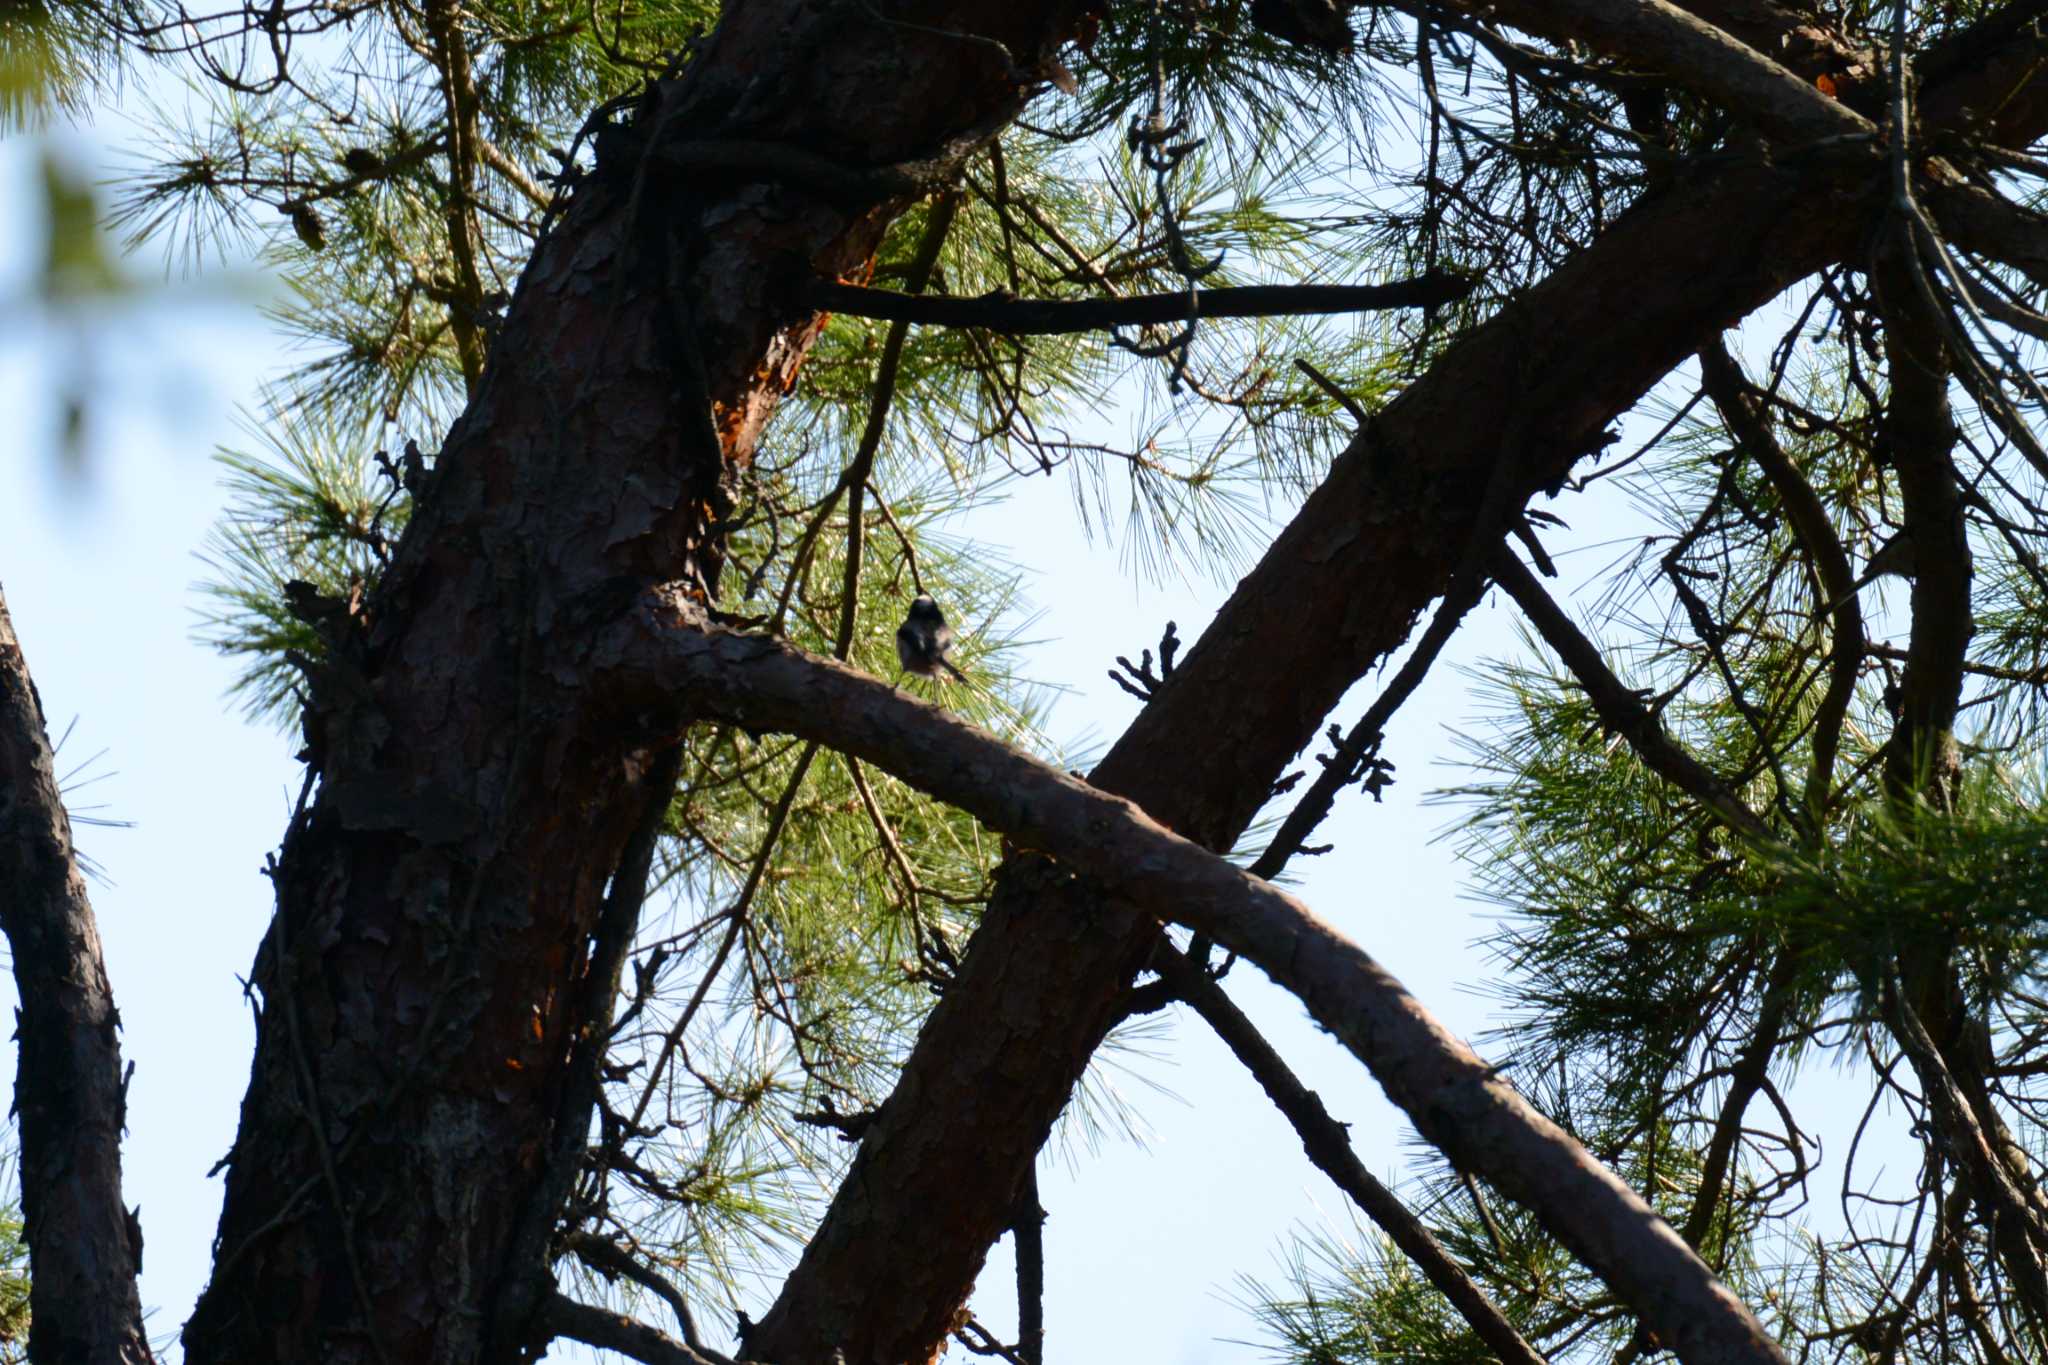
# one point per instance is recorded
(924, 640)
(1895, 556)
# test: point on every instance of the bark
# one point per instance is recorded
(423, 982)
(437, 901)
(1695, 54)
(1980, 221)
(1920, 432)
(1455, 1100)
(1338, 591)
(85, 1248)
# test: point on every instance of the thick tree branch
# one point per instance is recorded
(1795, 36)
(1704, 58)
(1694, 54)
(1000, 312)
(1990, 225)
(1990, 79)
(1455, 1100)
(85, 1248)
(1329, 1146)
(1339, 590)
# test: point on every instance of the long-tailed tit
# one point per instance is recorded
(924, 640)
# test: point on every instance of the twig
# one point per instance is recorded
(1329, 386)
(1329, 1146)
(564, 1317)
(1619, 706)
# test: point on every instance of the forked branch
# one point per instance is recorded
(666, 668)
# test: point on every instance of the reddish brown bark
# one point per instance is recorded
(71, 1100)
(436, 901)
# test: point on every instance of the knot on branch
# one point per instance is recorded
(1142, 682)
(850, 1127)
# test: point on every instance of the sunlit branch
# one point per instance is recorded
(659, 657)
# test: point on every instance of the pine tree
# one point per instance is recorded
(630, 933)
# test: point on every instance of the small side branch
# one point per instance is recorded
(1002, 312)
(562, 1316)
(1141, 681)
(1027, 1231)
(1356, 756)
(1741, 409)
(1621, 707)
(1329, 1146)
(610, 1259)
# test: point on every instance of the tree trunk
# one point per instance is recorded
(85, 1249)
(438, 896)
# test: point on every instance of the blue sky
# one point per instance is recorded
(1144, 1243)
